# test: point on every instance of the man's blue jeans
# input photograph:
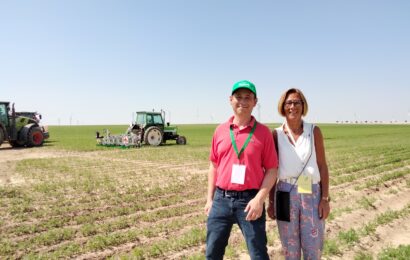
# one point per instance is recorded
(224, 213)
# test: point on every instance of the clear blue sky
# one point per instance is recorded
(97, 62)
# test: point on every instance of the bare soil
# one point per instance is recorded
(8, 155)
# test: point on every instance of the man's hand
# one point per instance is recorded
(208, 207)
(211, 188)
(254, 209)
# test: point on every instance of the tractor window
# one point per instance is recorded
(140, 119)
(158, 120)
(149, 120)
(3, 115)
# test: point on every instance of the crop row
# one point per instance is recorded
(347, 238)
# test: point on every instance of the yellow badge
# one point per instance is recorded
(305, 184)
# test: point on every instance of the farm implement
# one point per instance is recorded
(149, 128)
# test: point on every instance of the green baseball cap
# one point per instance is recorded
(244, 84)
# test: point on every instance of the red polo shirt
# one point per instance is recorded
(258, 156)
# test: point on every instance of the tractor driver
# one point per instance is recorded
(242, 171)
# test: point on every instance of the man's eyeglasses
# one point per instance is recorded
(294, 102)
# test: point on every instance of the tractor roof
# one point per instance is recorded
(149, 112)
(27, 112)
(4, 102)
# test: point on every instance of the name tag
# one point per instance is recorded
(305, 184)
(238, 174)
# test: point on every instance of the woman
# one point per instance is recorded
(302, 171)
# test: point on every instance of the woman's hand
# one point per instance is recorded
(271, 210)
(324, 209)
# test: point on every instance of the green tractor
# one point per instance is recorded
(148, 128)
(153, 130)
(19, 131)
(37, 117)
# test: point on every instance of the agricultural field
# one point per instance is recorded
(73, 199)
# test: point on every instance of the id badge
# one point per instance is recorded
(305, 184)
(238, 174)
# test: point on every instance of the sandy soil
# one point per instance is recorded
(9, 154)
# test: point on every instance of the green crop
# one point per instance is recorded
(74, 199)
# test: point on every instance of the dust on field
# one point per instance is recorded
(9, 156)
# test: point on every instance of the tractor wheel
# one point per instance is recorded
(153, 136)
(16, 143)
(181, 140)
(35, 137)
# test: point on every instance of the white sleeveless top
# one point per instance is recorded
(293, 158)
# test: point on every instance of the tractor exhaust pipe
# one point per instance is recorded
(13, 130)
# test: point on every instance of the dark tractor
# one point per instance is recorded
(19, 131)
(152, 129)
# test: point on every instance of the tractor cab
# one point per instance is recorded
(7, 122)
(147, 119)
(4, 113)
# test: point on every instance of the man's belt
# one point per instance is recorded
(237, 194)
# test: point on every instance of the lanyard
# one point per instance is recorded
(246, 142)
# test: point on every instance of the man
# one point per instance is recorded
(242, 171)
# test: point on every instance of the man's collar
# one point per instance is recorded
(250, 124)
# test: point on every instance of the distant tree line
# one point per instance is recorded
(371, 122)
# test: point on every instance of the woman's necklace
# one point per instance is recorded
(294, 134)
(297, 131)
